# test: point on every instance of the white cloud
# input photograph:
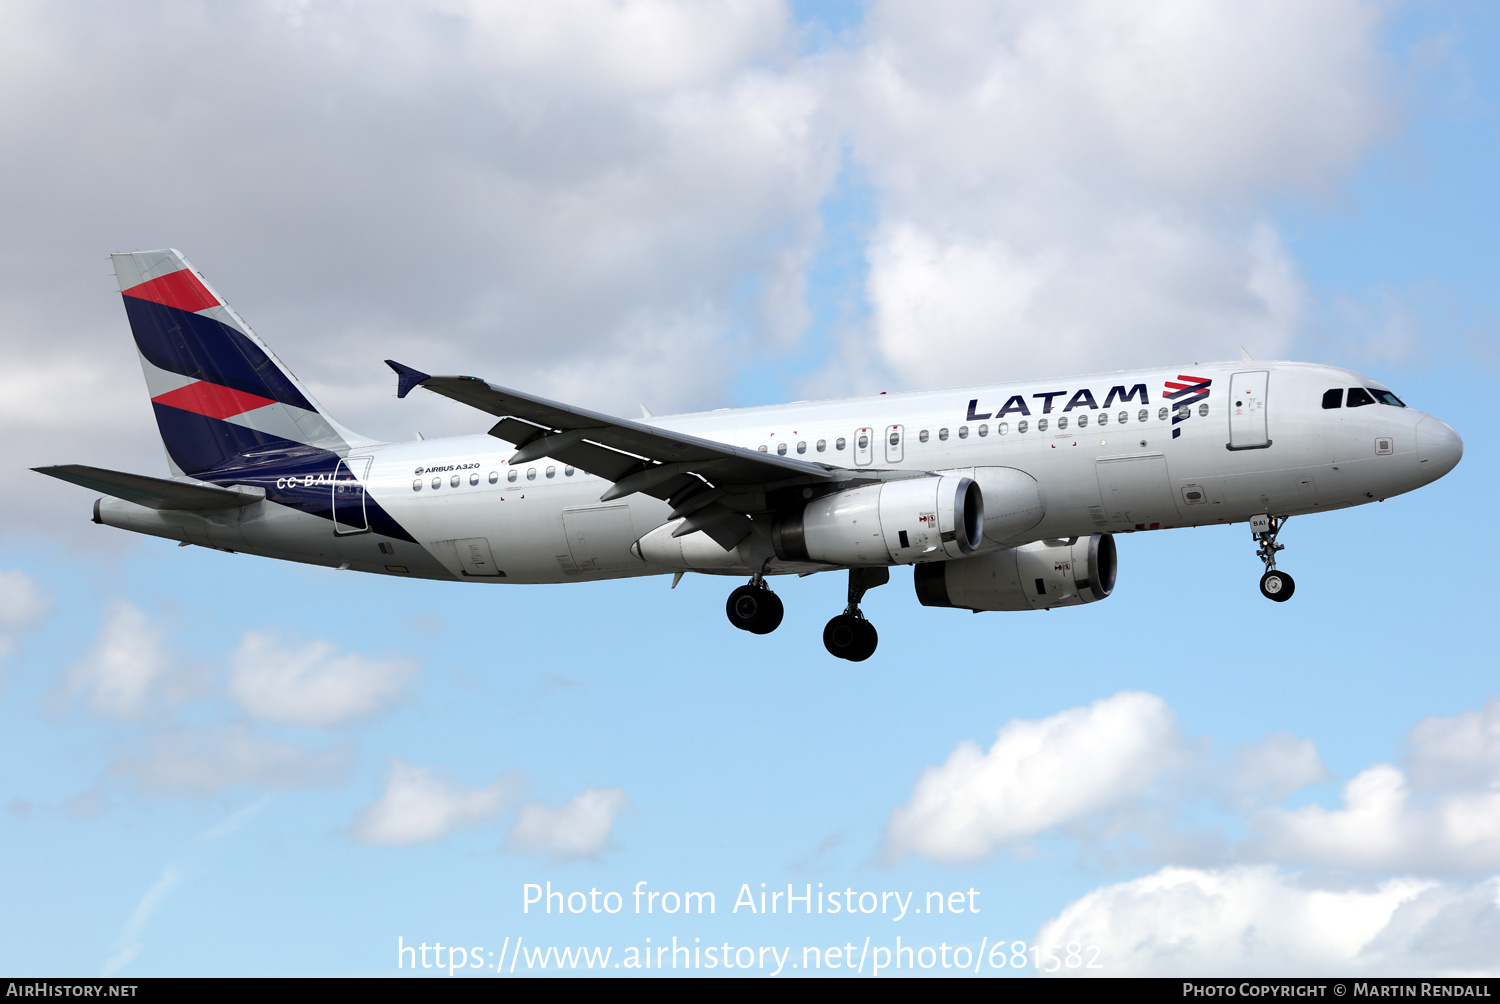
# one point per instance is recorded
(1037, 775)
(127, 661)
(1461, 751)
(312, 684)
(419, 806)
(1258, 921)
(201, 760)
(1267, 771)
(23, 608)
(579, 828)
(1074, 186)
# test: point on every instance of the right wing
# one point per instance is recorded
(153, 493)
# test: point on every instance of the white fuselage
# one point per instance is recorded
(1100, 469)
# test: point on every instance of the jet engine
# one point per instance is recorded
(1036, 576)
(893, 522)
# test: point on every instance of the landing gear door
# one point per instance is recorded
(864, 447)
(349, 496)
(1247, 411)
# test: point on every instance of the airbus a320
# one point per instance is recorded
(1003, 497)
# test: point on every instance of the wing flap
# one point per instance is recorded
(153, 493)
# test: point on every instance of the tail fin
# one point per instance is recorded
(222, 398)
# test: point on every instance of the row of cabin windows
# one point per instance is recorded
(512, 477)
(1003, 428)
(1358, 397)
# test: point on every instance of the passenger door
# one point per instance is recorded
(1247, 411)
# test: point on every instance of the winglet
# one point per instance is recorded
(407, 378)
(1245, 356)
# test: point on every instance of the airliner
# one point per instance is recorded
(1001, 497)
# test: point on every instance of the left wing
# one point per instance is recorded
(711, 483)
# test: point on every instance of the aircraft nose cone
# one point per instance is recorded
(1439, 448)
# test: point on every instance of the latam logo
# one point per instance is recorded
(1017, 405)
(1185, 392)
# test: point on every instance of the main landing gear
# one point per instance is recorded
(755, 608)
(849, 635)
(1274, 585)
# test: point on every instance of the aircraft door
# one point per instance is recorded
(349, 496)
(864, 447)
(1137, 491)
(894, 434)
(599, 538)
(476, 558)
(1247, 411)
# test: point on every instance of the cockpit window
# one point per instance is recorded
(1358, 397)
(1333, 398)
(1386, 397)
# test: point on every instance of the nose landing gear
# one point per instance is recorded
(1274, 585)
(755, 608)
(849, 635)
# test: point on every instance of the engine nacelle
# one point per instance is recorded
(1035, 576)
(893, 522)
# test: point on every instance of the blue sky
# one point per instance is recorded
(174, 825)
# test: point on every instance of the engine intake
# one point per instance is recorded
(893, 522)
(1036, 576)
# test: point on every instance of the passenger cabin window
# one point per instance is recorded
(567, 472)
(453, 481)
(552, 472)
(922, 436)
(416, 485)
(437, 482)
(494, 477)
(1002, 428)
(1022, 425)
(1062, 423)
(984, 430)
(1104, 417)
(511, 477)
(1161, 416)
(1386, 397)
(1141, 416)
(762, 448)
(531, 474)
(474, 479)
(1203, 410)
(822, 445)
(943, 435)
(802, 447)
(1333, 398)
(1041, 425)
(963, 432)
(1358, 397)
(1083, 421)
(895, 438)
(781, 449)
(839, 444)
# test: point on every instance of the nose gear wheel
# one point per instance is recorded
(1274, 585)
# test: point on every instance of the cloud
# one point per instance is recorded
(1260, 921)
(127, 662)
(1268, 771)
(23, 608)
(312, 684)
(579, 828)
(1037, 775)
(419, 806)
(201, 760)
(1076, 186)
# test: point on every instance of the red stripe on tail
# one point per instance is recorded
(204, 398)
(180, 289)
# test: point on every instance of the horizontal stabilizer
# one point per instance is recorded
(153, 493)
